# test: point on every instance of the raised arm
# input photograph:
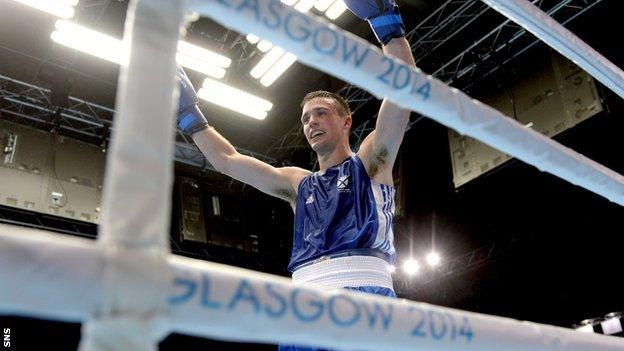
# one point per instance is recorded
(379, 149)
(279, 182)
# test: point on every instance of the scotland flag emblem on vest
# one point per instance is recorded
(343, 183)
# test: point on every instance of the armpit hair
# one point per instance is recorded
(284, 194)
(378, 160)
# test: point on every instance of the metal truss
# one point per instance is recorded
(486, 55)
(459, 265)
(92, 11)
(31, 219)
(504, 43)
(444, 23)
(29, 104)
(292, 140)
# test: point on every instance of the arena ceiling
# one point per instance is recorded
(26, 51)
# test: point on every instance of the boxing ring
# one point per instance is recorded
(130, 292)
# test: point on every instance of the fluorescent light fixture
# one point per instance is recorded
(269, 59)
(252, 38)
(335, 10)
(411, 266)
(112, 49)
(202, 60)
(304, 5)
(200, 66)
(234, 99)
(202, 54)
(323, 5)
(264, 46)
(89, 41)
(433, 259)
(59, 8)
(278, 69)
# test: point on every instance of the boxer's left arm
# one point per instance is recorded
(380, 148)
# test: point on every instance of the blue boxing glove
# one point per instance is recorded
(382, 15)
(190, 119)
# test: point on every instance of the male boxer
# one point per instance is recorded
(343, 213)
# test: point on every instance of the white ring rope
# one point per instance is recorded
(330, 49)
(130, 293)
(228, 303)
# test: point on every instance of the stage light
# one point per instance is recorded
(433, 259)
(411, 267)
(612, 324)
(586, 326)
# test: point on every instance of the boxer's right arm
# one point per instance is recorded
(279, 182)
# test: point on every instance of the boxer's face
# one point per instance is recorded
(323, 126)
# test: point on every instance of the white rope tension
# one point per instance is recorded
(129, 293)
(561, 39)
(330, 49)
(222, 302)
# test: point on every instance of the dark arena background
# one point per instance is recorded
(512, 241)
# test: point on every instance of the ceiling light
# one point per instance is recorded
(89, 41)
(304, 5)
(322, 5)
(112, 49)
(335, 10)
(202, 54)
(201, 60)
(264, 46)
(59, 8)
(411, 266)
(234, 99)
(433, 259)
(200, 66)
(252, 38)
(269, 59)
(278, 69)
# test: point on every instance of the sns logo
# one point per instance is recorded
(7, 337)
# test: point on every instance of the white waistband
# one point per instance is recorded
(349, 271)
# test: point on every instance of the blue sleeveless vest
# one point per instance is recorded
(342, 210)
